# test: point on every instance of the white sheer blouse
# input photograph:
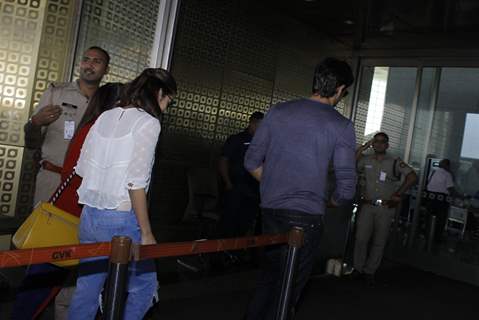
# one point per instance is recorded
(117, 155)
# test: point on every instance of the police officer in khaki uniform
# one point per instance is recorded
(381, 191)
(50, 129)
(56, 117)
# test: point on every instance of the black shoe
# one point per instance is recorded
(370, 280)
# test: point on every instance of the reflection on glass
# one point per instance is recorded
(470, 141)
(446, 126)
(453, 128)
(450, 130)
(376, 100)
(424, 118)
(384, 104)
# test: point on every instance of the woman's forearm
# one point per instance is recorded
(139, 205)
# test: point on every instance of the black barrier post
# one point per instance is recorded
(117, 277)
(295, 242)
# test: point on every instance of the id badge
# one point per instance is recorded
(382, 176)
(69, 129)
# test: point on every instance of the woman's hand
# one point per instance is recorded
(148, 238)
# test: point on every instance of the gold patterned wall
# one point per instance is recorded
(35, 47)
(21, 23)
(54, 56)
(52, 64)
(21, 26)
(10, 157)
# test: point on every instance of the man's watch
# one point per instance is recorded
(30, 121)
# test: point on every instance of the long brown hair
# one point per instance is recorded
(105, 98)
(143, 91)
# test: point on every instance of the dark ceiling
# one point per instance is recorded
(342, 18)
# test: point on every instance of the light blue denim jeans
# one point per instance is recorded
(99, 226)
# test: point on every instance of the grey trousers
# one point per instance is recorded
(46, 183)
(62, 302)
(372, 230)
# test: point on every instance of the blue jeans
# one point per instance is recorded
(265, 301)
(98, 226)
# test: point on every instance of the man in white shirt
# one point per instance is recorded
(440, 186)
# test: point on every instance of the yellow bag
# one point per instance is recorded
(48, 226)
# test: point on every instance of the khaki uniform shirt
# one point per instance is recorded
(55, 142)
(66, 95)
(380, 179)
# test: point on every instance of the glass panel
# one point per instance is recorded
(123, 28)
(454, 132)
(385, 101)
(454, 135)
(419, 150)
(424, 116)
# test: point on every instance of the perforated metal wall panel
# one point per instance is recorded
(10, 160)
(53, 61)
(21, 26)
(34, 44)
(52, 65)
(126, 29)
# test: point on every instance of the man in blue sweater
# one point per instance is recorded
(290, 155)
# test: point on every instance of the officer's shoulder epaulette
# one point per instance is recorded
(402, 164)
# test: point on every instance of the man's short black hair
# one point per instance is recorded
(330, 74)
(103, 51)
(256, 116)
(382, 134)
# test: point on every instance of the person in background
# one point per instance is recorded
(241, 201)
(115, 164)
(440, 185)
(381, 191)
(56, 118)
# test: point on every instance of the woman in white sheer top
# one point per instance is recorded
(115, 163)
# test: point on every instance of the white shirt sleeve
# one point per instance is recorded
(145, 140)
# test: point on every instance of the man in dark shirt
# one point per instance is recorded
(289, 155)
(241, 202)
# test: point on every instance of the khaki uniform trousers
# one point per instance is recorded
(372, 230)
(46, 184)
